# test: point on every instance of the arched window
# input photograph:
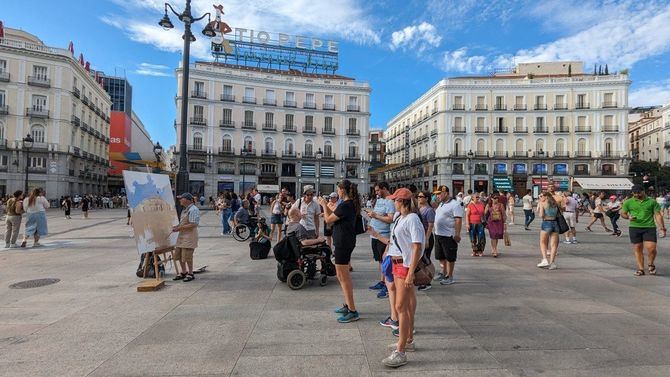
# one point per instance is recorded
(37, 132)
(249, 144)
(288, 147)
(500, 146)
(481, 146)
(353, 150)
(560, 146)
(2, 131)
(227, 144)
(539, 145)
(269, 145)
(520, 146)
(197, 141)
(328, 149)
(458, 146)
(309, 148)
(581, 145)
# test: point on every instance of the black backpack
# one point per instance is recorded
(151, 273)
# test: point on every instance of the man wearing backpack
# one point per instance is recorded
(13, 219)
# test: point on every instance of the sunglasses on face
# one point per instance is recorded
(420, 196)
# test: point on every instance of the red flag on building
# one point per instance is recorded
(70, 47)
(2, 30)
(81, 59)
(88, 67)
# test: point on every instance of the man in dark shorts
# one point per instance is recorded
(448, 221)
(644, 214)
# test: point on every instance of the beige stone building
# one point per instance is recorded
(272, 129)
(537, 123)
(649, 134)
(45, 92)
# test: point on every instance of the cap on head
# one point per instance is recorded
(186, 196)
(441, 189)
(334, 195)
(401, 193)
(636, 189)
(612, 197)
(308, 189)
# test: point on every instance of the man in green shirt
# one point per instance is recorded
(644, 214)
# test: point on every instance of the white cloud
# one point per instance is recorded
(653, 94)
(416, 37)
(460, 61)
(148, 69)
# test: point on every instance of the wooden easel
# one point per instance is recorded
(158, 283)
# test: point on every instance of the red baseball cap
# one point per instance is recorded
(401, 193)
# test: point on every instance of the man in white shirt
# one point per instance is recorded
(570, 215)
(448, 221)
(528, 209)
(310, 211)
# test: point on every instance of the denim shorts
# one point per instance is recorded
(550, 226)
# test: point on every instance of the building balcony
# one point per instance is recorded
(309, 105)
(227, 98)
(562, 154)
(433, 133)
(308, 154)
(520, 130)
(198, 121)
(198, 149)
(226, 124)
(610, 154)
(582, 154)
(328, 156)
(481, 107)
(288, 154)
(540, 106)
(290, 104)
(249, 100)
(353, 156)
(196, 169)
(84, 100)
(561, 106)
(76, 92)
(458, 107)
(328, 131)
(37, 112)
(269, 127)
(84, 126)
(329, 106)
(520, 107)
(562, 130)
(481, 154)
(500, 107)
(459, 130)
(269, 153)
(583, 129)
(75, 121)
(480, 130)
(39, 81)
(500, 130)
(4, 110)
(249, 125)
(610, 128)
(226, 151)
(248, 152)
(609, 105)
(37, 169)
(4, 76)
(582, 106)
(501, 154)
(290, 128)
(353, 132)
(354, 108)
(226, 170)
(269, 102)
(309, 130)
(541, 130)
(520, 154)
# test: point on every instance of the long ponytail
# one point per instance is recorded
(351, 190)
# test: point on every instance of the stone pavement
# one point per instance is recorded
(503, 317)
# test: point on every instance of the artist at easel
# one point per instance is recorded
(187, 240)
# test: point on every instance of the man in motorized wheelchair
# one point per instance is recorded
(242, 216)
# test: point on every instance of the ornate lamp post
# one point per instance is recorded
(27, 145)
(470, 155)
(244, 171)
(187, 18)
(319, 155)
(541, 154)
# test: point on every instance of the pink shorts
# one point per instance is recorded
(400, 271)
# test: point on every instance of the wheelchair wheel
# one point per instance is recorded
(296, 279)
(241, 233)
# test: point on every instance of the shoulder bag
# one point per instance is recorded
(425, 270)
(562, 224)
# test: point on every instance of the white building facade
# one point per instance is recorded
(270, 128)
(543, 122)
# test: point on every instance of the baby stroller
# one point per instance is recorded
(296, 263)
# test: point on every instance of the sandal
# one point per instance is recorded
(23, 244)
(652, 269)
(189, 277)
(495, 255)
(179, 277)
(474, 253)
(639, 273)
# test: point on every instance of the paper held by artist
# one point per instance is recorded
(152, 210)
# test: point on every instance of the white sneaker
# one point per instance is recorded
(543, 264)
(567, 242)
(409, 347)
(574, 242)
(7, 246)
(447, 281)
(396, 359)
(553, 266)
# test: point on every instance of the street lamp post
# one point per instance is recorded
(187, 18)
(243, 167)
(319, 155)
(158, 150)
(27, 145)
(541, 154)
(470, 155)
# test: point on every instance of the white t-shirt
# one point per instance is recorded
(40, 205)
(599, 202)
(406, 231)
(467, 200)
(309, 210)
(527, 202)
(445, 215)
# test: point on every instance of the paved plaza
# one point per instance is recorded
(503, 317)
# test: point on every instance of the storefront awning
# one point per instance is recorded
(502, 183)
(614, 183)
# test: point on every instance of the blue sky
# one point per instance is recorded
(401, 48)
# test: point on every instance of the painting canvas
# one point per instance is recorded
(153, 210)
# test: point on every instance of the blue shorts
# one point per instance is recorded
(550, 226)
(276, 219)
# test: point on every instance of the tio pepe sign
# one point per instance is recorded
(285, 40)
